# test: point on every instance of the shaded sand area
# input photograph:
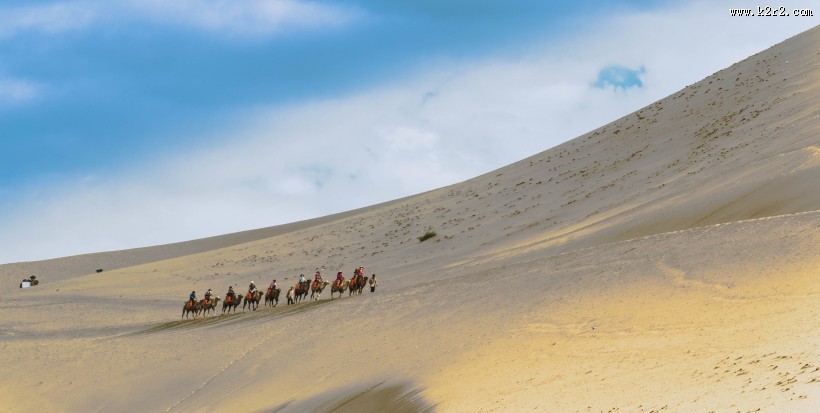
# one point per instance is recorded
(667, 261)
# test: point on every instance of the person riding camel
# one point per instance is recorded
(339, 279)
(192, 298)
(252, 288)
(272, 285)
(230, 294)
(208, 296)
(302, 278)
(317, 278)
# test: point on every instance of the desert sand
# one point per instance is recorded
(667, 261)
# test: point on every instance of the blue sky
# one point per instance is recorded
(119, 85)
(134, 123)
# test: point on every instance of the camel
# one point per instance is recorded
(209, 305)
(231, 303)
(301, 290)
(316, 289)
(272, 297)
(353, 285)
(252, 300)
(191, 307)
(357, 285)
(339, 288)
(362, 284)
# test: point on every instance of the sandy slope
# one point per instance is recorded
(665, 262)
(70, 267)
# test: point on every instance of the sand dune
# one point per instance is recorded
(667, 261)
(70, 267)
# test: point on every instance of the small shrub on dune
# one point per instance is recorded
(427, 235)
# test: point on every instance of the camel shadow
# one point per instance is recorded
(261, 315)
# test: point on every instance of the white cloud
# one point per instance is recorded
(48, 18)
(250, 17)
(450, 123)
(17, 91)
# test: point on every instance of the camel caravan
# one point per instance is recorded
(250, 300)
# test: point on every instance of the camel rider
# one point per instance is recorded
(208, 295)
(192, 297)
(318, 276)
(252, 288)
(340, 278)
(361, 272)
(272, 285)
(302, 278)
(231, 293)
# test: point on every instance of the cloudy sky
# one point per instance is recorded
(140, 122)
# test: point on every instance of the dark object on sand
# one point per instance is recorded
(31, 281)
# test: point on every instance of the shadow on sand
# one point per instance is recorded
(260, 315)
(382, 397)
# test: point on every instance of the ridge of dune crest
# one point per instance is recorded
(665, 261)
